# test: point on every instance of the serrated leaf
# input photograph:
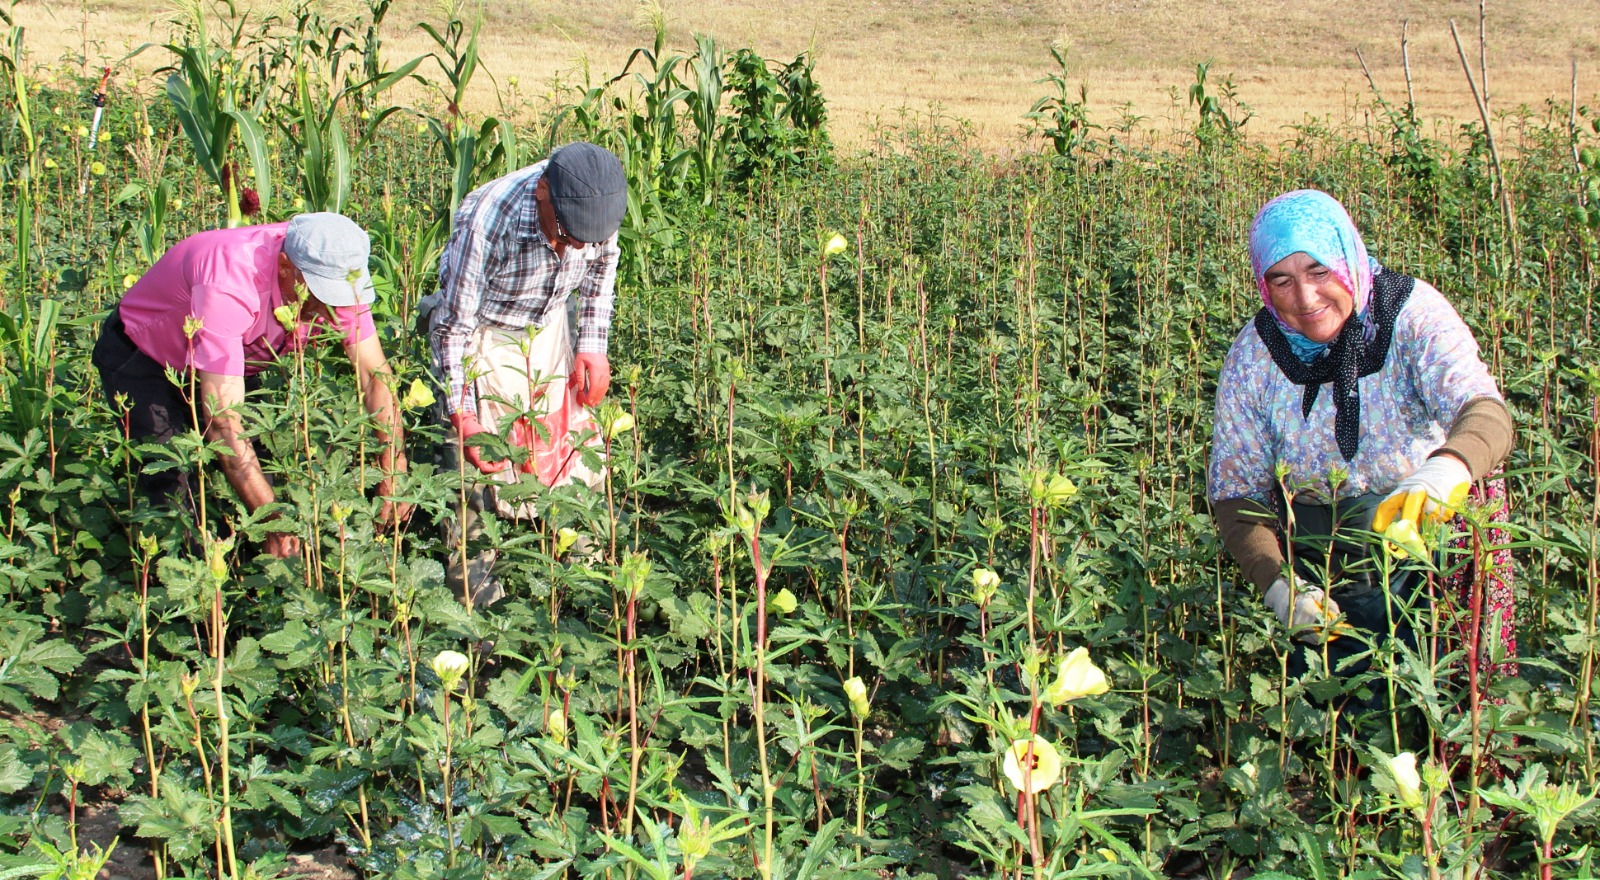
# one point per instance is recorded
(14, 775)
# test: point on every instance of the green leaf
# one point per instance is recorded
(14, 775)
(898, 753)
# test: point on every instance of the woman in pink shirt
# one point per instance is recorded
(208, 305)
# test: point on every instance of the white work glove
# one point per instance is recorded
(1312, 608)
(1435, 491)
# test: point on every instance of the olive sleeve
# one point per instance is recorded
(1249, 535)
(1480, 436)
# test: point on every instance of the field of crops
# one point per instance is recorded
(892, 435)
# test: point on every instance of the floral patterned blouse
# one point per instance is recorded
(1407, 408)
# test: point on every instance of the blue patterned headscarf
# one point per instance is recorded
(1313, 222)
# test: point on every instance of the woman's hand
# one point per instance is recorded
(1435, 490)
(1312, 611)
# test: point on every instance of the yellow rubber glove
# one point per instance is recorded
(1435, 490)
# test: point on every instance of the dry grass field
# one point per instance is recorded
(977, 60)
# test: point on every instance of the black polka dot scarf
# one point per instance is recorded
(1359, 350)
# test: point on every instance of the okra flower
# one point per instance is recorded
(622, 424)
(418, 395)
(557, 726)
(1055, 492)
(450, 666)
(1032, 765)
(835, 245)
(565, 538)
(785, 601)
(1076, 677)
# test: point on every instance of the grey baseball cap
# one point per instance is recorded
(588, 190)
(331, 251)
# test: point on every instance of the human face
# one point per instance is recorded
(1308, 297)
(291, 281)
(549, 224)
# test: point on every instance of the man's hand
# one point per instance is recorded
(283, 545)
(466, 425)
(591, 377)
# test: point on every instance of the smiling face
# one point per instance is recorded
(1308, 297)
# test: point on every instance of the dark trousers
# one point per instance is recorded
(156, 408)
(1327, 553)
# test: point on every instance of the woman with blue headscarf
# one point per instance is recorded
(1355, 398)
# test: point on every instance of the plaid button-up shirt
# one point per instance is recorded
(498, 269)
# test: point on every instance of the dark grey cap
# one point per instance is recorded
(588, 190)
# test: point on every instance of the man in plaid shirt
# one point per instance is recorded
(521, 247)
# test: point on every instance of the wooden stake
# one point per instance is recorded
(1506, 208)
(1572, 134)
(1405, 64)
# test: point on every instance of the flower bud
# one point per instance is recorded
(288, 315)
(984, 584)
(1407, 782)
(635, 568)
(217, 550)
(856, 691)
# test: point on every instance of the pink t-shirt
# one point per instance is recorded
(228, 278)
